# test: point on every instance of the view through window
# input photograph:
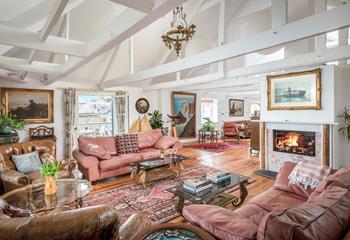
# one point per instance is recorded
(209, 109)
(95, 115)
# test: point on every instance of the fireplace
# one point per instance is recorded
(295, 142)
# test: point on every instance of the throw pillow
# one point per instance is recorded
(127, 143)
(94, 150)
(26, 163)
(308, 174)
(165, 142)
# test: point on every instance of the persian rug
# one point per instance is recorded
(219, 146)
(153, 201)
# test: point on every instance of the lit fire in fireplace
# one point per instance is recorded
(290, 140)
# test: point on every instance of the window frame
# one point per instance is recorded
(214, 101)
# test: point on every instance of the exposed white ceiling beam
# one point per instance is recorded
(52, 19)
(18, 64)
(278, 13)
(185, 82)
(320, 40)
(97, 50)
(308, 59)
(26, 39)
(307, 27)
(143, 6)
(207, 5)
(54, 16)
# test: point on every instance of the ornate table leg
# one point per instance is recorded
(133, 173)
(143, 177)
(243, 193)
(180, 204)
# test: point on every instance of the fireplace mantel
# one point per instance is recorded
(295, 122)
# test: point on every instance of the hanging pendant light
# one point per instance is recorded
(179, 32)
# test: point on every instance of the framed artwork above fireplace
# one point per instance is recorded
(294, 91)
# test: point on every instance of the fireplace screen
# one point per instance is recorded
(296, 142)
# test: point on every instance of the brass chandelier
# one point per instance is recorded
(179, 32)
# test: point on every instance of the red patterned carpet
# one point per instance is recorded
(219, 146)
(157, 204)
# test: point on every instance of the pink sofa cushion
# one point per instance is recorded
(221, 222)
(119, 161)
(165, 142)
(90, 149)
(108, 143)
(148, 138)
(274, 199)
(282, 181)
(149, 153)
(127, 143)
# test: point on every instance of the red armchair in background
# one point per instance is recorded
(230, 131)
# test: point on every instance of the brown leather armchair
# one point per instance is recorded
(229, 131)
(12, 179)
(97, 222)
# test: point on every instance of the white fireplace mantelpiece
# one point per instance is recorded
(297, 122)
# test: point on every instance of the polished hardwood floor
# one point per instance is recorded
(238, 160)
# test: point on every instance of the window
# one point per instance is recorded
(209, 109)
(95, 115)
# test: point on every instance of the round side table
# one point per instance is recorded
(173, 231)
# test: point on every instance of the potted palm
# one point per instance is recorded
(50, 170)
(208, 126)
(345, 129)
(8, 123)
(156, 121)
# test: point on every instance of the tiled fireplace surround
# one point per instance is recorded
(274, 160)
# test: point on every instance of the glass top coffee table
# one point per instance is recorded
(217, 195)
(31, 197)
(155, 169)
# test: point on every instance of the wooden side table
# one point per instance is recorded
(173, 231)
(212, 136)
(9, 139)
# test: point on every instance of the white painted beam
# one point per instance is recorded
(96, 51)
(307, 27)
(320, 40)
(308, 59)
(18, 64)
(208, 5)
(343, 39)
(278, 13)
(53, 18)
(143, 6)
(26, 39)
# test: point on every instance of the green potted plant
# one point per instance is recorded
(345, 129)
(156, 121)
(9, 123)
(50, 170)
(208, 126)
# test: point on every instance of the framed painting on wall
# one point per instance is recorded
(236, 108)
(294, 91)
(34, 106)
(183, 105)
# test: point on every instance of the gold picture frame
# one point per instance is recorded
(32, 105)
(294, 91)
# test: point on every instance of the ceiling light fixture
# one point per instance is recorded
(179, 32)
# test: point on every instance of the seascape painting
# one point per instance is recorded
(236, 107)
(184, 106)
(294, 91)
(34, 106)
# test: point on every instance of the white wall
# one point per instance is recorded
(325, 115)
(341, 146)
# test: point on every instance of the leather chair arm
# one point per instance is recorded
(85, 223)
(15, 178)
(132, 226)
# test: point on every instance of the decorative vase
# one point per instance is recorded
(50, 185)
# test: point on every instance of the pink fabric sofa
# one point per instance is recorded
(283, 212)
(98, 166)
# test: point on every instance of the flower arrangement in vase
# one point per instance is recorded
(50, 170)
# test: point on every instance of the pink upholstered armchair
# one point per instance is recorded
(230, 131)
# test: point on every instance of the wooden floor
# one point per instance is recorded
(238, 160)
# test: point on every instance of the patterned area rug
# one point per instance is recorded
(153, 201)
(219, 146)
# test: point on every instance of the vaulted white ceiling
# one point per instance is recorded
(109, 39)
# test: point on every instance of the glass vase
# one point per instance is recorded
(50, 185)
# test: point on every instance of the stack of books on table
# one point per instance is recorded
(197, 187)
(219, 177)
